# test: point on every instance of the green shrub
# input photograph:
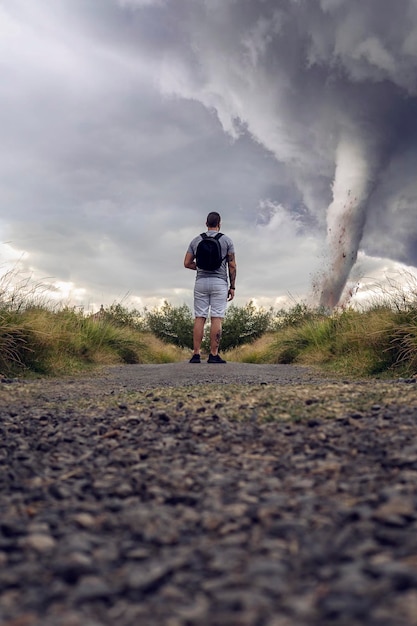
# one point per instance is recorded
(297, 315)
(120, 315)
(243, 325)
(175, 325)
(172, 324)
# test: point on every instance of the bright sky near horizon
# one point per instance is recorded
(124, 122)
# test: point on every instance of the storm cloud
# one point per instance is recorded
(329, 87)
(125, 121)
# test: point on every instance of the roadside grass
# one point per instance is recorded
(37, 338)
(380, 342)
(254, 352)
(44, 341)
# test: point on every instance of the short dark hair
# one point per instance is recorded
(213, 219)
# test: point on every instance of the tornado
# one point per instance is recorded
(346, 216)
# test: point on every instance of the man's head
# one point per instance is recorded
(213, 220)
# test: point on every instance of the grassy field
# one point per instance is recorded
(53, 342)
(380, 341)
(39, 339)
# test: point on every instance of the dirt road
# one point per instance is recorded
(200, 495)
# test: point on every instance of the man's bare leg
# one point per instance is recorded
(215, 334)
(198, 333)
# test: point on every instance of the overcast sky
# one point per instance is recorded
(124, 122)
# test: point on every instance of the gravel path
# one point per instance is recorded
(140, 377)
(193, 495)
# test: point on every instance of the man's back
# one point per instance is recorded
(227, 248)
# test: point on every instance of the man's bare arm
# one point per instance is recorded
(231, 262)
(189, 261)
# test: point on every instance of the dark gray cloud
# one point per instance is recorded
(330, 88)
(125, 121)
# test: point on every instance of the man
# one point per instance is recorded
(211, 290)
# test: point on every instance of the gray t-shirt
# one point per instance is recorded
(227, 247)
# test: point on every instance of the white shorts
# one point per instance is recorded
(210, 293)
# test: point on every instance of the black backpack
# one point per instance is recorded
(209, 253)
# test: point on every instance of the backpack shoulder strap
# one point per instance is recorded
(203, 235)
(218, 237)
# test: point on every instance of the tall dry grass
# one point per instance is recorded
(37, 337)
(380, 339)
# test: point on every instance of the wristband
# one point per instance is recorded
(234, 288)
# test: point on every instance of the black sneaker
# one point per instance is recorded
(195, 359)
(215, 359)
